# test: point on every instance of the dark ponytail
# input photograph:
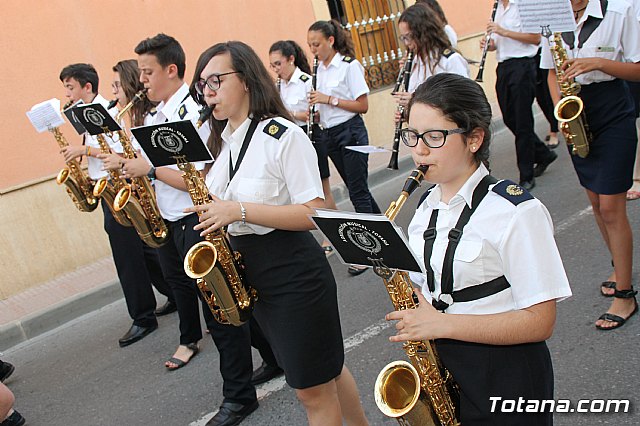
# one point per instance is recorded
(341, 38)
(291, 48)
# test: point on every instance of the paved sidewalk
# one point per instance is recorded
(94, 286)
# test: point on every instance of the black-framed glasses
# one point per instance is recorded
(213, 82)
(431, 138)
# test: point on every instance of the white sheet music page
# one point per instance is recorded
(557, 14)
(46, 115)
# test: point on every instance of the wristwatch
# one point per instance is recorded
(335, 101)
(152, 173)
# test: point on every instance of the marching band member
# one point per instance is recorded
(603, 51)
(81, 83)
(341, 98)
(294, 74)
(264, 184)
(493, 340)
(515, 88)
(162, 65)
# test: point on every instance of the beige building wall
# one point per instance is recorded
(42, 234)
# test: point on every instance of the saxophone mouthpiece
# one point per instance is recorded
(415, 179)
(204, 115)
(112, 104)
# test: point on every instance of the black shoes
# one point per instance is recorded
(134, 334)
(539, 169)
(231, 414)
(15, 419)
(528, 184)
(6, 370)
(166, 309)
(264, 373)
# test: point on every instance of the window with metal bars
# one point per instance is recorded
(373, 25)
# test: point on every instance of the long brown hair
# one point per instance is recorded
(264, 100)
(427, 31)
(130, 84)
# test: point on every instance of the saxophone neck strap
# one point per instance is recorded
(448, 296)
(588, 28)
(245, 144)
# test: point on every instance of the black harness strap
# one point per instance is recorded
(243, 149)
(455, 234)
(588, 28)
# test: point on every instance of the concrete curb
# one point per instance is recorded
(45, 320)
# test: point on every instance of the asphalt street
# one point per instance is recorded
(77, 374)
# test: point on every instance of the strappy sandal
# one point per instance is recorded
(620, 294)
(607, 284)
(180, 363)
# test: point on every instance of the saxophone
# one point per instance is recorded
(79, 185)
(569, 111)
(142, 209)
(421, 392)
(216, 268)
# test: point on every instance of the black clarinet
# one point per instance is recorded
(487, 38)
(403, 80)
(312, 107)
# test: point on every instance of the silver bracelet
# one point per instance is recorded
(243, 211)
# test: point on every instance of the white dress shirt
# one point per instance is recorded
(172, 201)
(454, 63)
(295, 91)
(617, 38)
(500, 239)
(94, 165)
(451, 33)
(343, 80)
(275, 171)
(508, 48)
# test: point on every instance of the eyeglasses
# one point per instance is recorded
(212, 82)
(116, 86)
(431, 138)
(406, 38)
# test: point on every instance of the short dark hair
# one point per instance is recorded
(83, 73)
(167, 51)
(460, 100)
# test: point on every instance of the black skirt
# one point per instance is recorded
(297, 306)
(610, 114)
(508, 372)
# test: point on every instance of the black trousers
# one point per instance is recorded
(351, 165)
(138, 267)
(515, 88)
(233, 343)
(543, 97)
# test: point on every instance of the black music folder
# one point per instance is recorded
(71, 114)
(166, 142)
(367, 240)
(95, 118)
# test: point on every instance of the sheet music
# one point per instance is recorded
(46, 115)
(368, 149)
(557, 14)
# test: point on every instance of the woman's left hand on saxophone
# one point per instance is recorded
(422, 323)
(215, 215)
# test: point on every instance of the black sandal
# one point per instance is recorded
(180, 363)
(607, 284)
(620, 294)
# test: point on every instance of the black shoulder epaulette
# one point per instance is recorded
(512, 192)
(182, 112)
(348, 59)
(274, 129)
(153, 111)
(447, 52)
(304, 78)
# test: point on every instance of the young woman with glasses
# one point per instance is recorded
(264, 183)
(498, 309)
(288, 61)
